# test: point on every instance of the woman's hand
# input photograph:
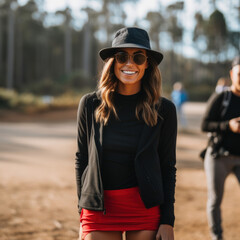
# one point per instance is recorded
(80, 232)
(234, 125)
(165, 232)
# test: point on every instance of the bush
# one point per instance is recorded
(29, 103)
(79, 80)
(8, 98)
(66, 100)
(46, 87)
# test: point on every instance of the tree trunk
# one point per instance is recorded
(68, 48)
(19, 56)
(1, 48)
(87, 49)
(10, 49)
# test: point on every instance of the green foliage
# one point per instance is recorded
(46, 87)
(216, 31)
(217, 25)
(75, 81)
(40, 64)
(79, 79)
(7, 98)
(10, 99)
(29, 103)
(66, 100)
(175, 30)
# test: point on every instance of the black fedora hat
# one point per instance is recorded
(130, 37)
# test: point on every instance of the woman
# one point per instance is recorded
(125, 163)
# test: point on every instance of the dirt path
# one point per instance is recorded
(38, 193)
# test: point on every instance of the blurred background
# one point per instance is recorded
(49, 59)
(49, 49)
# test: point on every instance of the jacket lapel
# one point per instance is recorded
(148, 135)
(97, 130)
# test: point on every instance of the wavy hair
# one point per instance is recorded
(150, 97)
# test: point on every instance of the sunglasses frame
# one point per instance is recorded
(130, 56)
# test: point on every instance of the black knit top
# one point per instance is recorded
(120, 140)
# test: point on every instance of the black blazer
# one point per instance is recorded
(154, 161)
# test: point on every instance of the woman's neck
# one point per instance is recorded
(128, 89)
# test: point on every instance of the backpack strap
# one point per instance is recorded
(227, 95)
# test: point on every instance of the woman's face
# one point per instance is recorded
(129, 73)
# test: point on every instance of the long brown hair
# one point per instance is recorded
(150, 87)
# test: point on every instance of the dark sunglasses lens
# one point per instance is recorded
(122, 57)
(139, 59)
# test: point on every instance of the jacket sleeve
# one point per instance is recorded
(212, 118)
(81, 159)
(167, 154)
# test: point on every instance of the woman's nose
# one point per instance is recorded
(130, 60)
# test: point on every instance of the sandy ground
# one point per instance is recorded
(37, 180)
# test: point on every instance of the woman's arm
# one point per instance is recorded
(167, 156)
(81, 159)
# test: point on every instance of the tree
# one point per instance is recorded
(111, 17)
(199, 37)
(216, 33)
(211, 35)
(27, 31)
(89, 30)
(106, 21)
(68, 39)
(10, 49)
(156, 21)
(175, 31)
(1, 45)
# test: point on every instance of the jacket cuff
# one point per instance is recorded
(167, 214)
(224, 126)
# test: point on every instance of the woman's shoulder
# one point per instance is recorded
(166, 107)
(165, 104)
(89, 97)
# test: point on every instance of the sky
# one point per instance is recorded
(139, 10)
(143, 6)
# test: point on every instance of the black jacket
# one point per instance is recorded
(212, 119)
(221, 108)
(154, 162)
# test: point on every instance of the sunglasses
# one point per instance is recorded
(123, 57)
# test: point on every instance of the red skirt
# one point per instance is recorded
(125, 211)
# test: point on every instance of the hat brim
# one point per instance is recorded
(106, 53)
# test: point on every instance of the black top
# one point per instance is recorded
(120, 140)
(212, 121)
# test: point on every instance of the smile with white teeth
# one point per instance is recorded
(129, 72)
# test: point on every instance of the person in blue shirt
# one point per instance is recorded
(179, 97)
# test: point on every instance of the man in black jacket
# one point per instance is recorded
(223, 155)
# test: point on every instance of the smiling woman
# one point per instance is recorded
(129, 69)
(125, 162)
